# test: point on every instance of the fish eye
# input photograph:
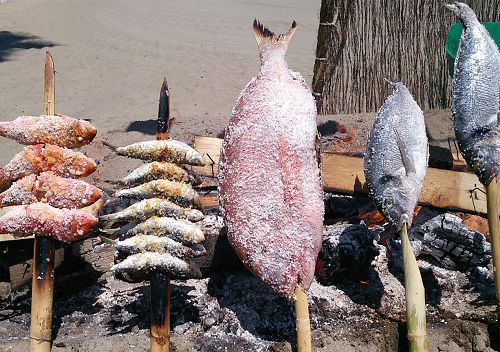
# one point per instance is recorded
(388, 202)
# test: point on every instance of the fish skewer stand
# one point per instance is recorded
(475, 106)
(44, 202)
(395, 166)
(159, 247)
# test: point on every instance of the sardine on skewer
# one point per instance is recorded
(41, 219)
(150, 243)
(475, 101)
(155, 171)
(396, 156)
(48, 188)
(179, 230)
(60, 130)
(38, 158)
(144, 263)
(151, 207)
(179, 193)
(167, 150)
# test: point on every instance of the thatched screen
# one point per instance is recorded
(362, 42)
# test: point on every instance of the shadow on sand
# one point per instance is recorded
(12, 41)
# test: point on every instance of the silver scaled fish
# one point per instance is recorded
(151, 207)
(179, 193)
(158, 170)
(167, 150)
(150, 243)
(396, 156)
(269, 177)
(475, 100)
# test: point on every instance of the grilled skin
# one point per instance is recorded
(60, 130)
(150, 243)
(396, 156)
(475, 100)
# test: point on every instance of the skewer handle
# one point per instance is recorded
(302, 323)
(493, 224)
(160, 312)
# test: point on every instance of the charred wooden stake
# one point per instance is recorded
(302, 323)
(42, 293)
(160, 282)
(493, 224)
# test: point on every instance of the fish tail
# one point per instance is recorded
(267, 38)
(110, 146)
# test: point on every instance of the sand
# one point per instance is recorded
(111, 56)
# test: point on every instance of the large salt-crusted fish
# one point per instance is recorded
(155, 171)
(152, 207)
(396, 156)
(38, 158)
(57, 191)
(41, 219)
(177, 229)
(60, 130)
(269, 178)
(167, 150)
(475, 100)
(179, 193)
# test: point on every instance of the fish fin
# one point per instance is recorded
(406, 156)
(266, 38)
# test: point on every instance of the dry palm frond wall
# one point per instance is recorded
(362, 42)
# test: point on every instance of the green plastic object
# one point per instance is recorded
(453, 40)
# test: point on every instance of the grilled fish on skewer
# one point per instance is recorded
(150, 243)
(41, 219)
(269, 179)
(475, 100)
(152, 207)
(179, 230)
(35, 159)
(164, 150)
(60, 130)
(145, 263)
(155, 171)
(179, 193)
(396, 156)
(48, 188)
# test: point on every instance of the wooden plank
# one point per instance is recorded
(442, 188)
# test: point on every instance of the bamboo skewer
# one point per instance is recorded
(160, 281)
(415, 298)
(43, 251)
(302, 323)
(494, 226)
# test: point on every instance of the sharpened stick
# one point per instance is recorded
(415, 298)
(302, 323)
(160, 282)
(42, 291)
(493, 224)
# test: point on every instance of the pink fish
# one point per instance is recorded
(60, 130)
(57, 191)
(269, 177)
(38, 158)
(41, 219)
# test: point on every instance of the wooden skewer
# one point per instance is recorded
(494, 226)
(160, 282)
(302, 323)
(42, 291)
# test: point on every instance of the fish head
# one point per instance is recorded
(398, 200)
(85, 132)
(461, 10)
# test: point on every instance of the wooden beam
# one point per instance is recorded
(442, 188)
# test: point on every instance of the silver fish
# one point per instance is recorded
(167, 150)
(179, 193)
(475, 100)
(179, 230)
(145, 263)
(150, 243)
(158, 170)
(396, 156)
(151, 207)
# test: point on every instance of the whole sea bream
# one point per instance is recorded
(475, 100)
(396, 156)
(269, 177)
